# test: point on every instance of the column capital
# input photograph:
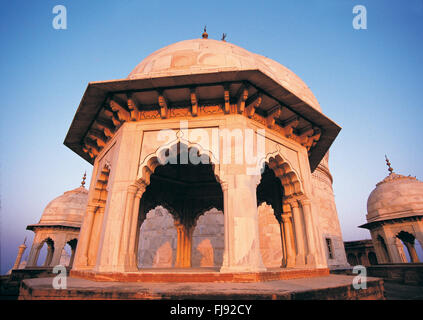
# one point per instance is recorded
(133, 188)
(286, 208)
(142, 186)
(293, 203)
(91, 207)
(224, 186)
(286, 217)
(305, 201)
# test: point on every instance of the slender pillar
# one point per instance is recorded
(125, 233)
(72, 257)
(21, 250)
(400, 249)
(283, 242)
(299, 233)
(391, 245)
(380, 248)
(33, 254)
(93, 252)
(183, 248)
(49, 257)
(226, 252)
(85, 238)
(289, 237)
(188, 246)
(131, 256)
(311, 245)
(179, 233)
(412, 251)
(59, 245)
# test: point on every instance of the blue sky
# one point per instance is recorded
(368, 81)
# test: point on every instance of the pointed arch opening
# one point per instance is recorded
(208, 239)
(182, 179)
(44, 254)
(408, 240)
(278, 183)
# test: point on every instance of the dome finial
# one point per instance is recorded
(83, 179)
(224, 37)
(389, 165)
(205, 35)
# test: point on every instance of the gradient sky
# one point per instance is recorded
(368, 81)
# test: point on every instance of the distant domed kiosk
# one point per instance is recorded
(395, 217)
(205, 125)
(59, 225)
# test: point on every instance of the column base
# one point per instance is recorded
(290, 262)
(82, 262)
(130, 263)
(300, 260)
(310, 260)
(236, 269)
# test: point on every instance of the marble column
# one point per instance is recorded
(131, 255)
(226, 250)
(72, 257)
(184, 245)
(241, 225)
(85, 237)
(49, 257)
(400, 249)
(283, 242)
(412, 252)
(289, 239)
(33, 254)
(391, 245)
(59, 245)
(299, 233)
(96, 229)
(125, 233)
(311, 245)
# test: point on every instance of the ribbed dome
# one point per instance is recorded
(395, 196)
(199, 56)
(67, 209)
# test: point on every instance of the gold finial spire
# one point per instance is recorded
(205, 35)
(83, 179)
(224, 37)
(389, 165)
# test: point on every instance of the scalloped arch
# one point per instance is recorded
(284, 171)
(154, 160)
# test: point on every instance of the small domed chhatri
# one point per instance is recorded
(67, 209)
(394, 214)
(59, 225)
(395, 196)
